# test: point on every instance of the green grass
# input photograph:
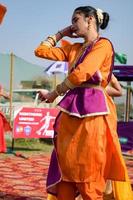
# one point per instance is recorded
(28, 147)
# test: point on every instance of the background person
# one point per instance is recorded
(4, 124)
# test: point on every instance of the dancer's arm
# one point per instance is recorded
(114, 88)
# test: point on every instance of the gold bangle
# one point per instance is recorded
(57, 92)
(53, 37)
(47, 43)
(49, 38)
(50, 41)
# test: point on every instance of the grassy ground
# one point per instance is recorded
(28, 147)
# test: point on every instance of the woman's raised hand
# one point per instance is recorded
(68, 31)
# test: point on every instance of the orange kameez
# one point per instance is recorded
(87, 147)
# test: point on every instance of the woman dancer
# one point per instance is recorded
(86, 142)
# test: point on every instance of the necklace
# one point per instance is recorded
(92, 42)
(82, 50)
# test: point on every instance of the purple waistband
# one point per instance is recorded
(83, 101)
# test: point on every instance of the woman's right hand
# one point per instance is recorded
(68, 31)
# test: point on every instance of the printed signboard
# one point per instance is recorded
(34, 122)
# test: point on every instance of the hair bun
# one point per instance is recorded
(105, 21)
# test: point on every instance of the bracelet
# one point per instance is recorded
(47, 43)
(50, 41)
(53, 38)
(57, 92)
(61, 34)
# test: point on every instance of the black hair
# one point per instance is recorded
(90, 11)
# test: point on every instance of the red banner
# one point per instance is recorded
(34, 122)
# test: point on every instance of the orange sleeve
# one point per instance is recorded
(53, 53)
(94, 61)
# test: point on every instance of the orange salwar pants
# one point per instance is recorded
(88, 191)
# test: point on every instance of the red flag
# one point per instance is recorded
(3, 10)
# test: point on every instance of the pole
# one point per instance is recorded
(54, 86)
(11, 93)
(11, 84)
(128, 100)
